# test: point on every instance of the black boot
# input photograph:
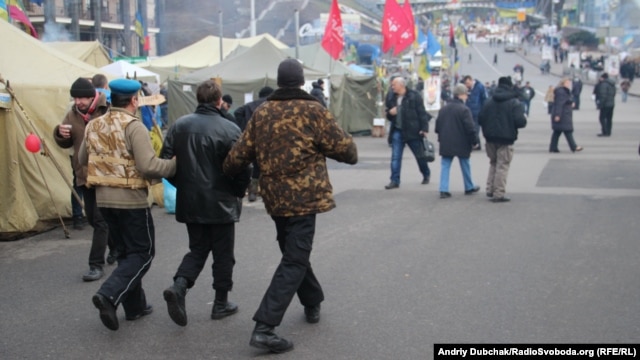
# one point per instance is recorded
(221, 307)
(253, 190)
(174, 296)
(263, 337)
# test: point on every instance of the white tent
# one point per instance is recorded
(128, 70)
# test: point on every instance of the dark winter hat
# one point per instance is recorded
(265, 91)
(320, 82)
(290, 74)
(505, 80)
(604, 76)
(460, 89)
(227, 98)
(82, 88)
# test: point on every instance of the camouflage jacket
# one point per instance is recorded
(290, 136)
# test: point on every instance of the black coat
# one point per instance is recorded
(502, 116)
(563, 107)
(318, 93)
(455, 129)
(243, 113)
(414, 116)
(201, 142)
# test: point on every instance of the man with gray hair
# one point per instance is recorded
(409, 124)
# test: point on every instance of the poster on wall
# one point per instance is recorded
(612, 65)
(431, 93)
(573, 60)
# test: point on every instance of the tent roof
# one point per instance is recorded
(125, 69)
(258, 62)
(203, 53)
(32, 62)
(315, 56)
(91, 52)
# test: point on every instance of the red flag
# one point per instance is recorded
(407, 35)
(18, 15)
(332, 41)
(452, 38)
(147, 43)
(391, 19)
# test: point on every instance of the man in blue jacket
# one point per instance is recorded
(500, 118)
(475, 101)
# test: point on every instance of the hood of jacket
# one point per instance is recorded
(504, 93)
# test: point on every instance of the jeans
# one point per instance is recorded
(556, 135)
(624, 96)
(397, 148)
(465, 166)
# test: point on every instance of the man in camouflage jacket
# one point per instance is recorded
(290, 136)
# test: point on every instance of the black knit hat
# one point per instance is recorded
(82, 88)
(290, 74)
(505, 80)
(227, 98)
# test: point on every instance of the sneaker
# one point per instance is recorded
(472, 191)
(445, 195)
(94, 273)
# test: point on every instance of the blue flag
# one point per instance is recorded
(433, 46)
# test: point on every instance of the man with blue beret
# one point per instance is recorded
(121, 161)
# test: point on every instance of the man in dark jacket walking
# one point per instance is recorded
(243, 115)
(576, 90)
(208, 201)
(409, 124)
(318, 91)
(457, 136)
(290, 136)
(500, 118)
(475, 100)
(605, 92)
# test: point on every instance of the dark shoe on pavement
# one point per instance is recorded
(472, 191)
(312, 313)
(489, 194)
(223, 309)
(107, 311)
(500, 199)
(263, 337)
(147, 310)
(392, 185)
(112, 257)
(174, 296)
(78, 223)
(445, 195)
(554, 151)
(94, 273)
(425, 181)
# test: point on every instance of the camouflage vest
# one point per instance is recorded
(110, 163)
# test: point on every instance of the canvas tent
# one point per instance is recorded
(246, 72)
(127, 70)
(41, 77)
(91, 52)
(315, 56)
(201, 54)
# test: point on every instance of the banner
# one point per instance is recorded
(333, 41)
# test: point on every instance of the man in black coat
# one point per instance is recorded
(208, 201)
(576, 90)
(457, 136)
(500, 119)
(409, 125)
(243, 115)
(318, 91)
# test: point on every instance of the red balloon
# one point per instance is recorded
(32, 143)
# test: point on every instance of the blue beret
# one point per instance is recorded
(124, 86)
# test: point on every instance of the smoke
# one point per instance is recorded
(55, 32)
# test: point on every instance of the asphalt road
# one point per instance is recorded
(401, 269)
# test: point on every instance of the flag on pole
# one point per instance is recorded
(407, 32)
(452, 38)
(333, 41)
(391, 18)
(141, 31)
(4, 14)
(16, 13)
(433, 46)
(423, 67)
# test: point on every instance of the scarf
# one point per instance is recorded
(92, 108)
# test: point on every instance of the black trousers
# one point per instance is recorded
(556, 136)
(294, 274)
(133, 235)
(217, 239)
(606, 119)
(100, 238)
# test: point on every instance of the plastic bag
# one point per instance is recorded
(169, 197)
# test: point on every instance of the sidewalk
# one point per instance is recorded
(534, 56)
